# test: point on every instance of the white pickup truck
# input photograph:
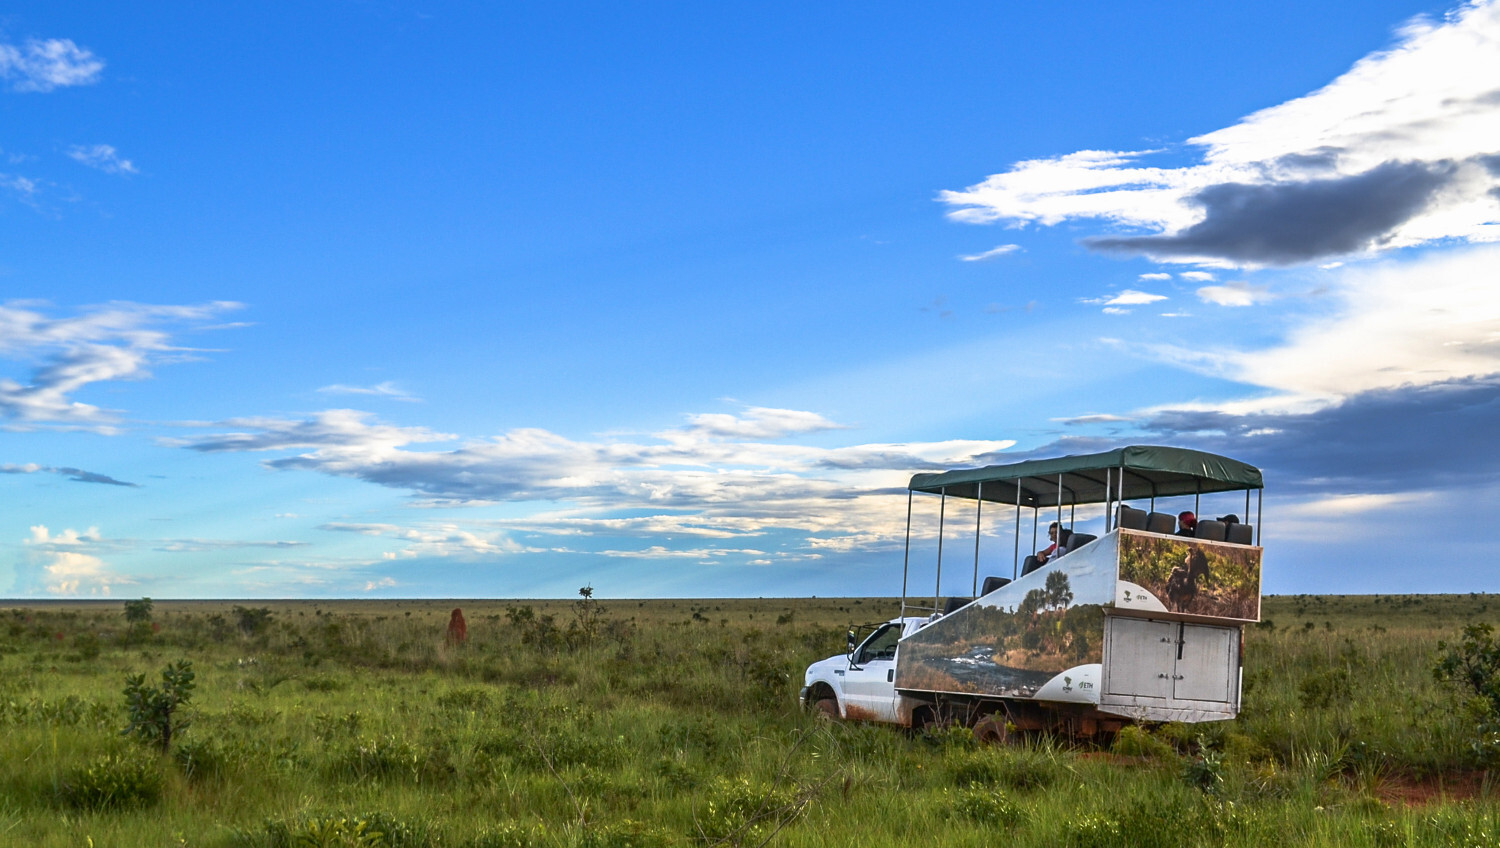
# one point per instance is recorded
(1142, 622)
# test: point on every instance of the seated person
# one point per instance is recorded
(1231, 518)
(1187, 524)
(1059, 538)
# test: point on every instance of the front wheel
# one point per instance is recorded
(827, 708)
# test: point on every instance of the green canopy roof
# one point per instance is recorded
(1150, 471)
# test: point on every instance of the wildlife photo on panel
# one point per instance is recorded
(1194, 577)
(995, 650)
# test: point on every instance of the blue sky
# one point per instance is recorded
(389, 299)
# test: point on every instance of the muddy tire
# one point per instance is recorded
(827, 708)
(991, 730)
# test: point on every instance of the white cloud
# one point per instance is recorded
(119, 341)
(1235, 294)
(1197, 276)
(103, 157)
(440, 540)
(695, 480)
(757, 423)
(69, 565)
(1155, 276)
(1115, 310)
(1398, 151)
(45, 65)
(382, 583)
(386, 390)
(1131, 297)
(1429, 320)
(991, 253)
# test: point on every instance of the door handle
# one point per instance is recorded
(890, 676)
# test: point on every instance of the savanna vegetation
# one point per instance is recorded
(1367, 721)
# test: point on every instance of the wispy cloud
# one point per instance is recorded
(387, 390)
(719, 476)
(1397, 151)
(77, 475)
(1131, 297)
(54, 63)
(991, 253)
(102, 157)
(119, 341)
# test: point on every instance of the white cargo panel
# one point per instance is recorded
(1160, 670)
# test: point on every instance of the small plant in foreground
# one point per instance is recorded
(114, 781)
(1474, 664)
(985, 807)
(153, 710)
(1205, 772)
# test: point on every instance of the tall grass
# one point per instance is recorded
(675, 724)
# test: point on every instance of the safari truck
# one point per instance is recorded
(1143, 621)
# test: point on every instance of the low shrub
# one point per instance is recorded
(113, 781)
(1134, 741)
(985, 807)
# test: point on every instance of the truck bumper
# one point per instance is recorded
(802, 696)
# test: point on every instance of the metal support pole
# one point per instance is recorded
(1015, 563)
(1260, 495)
(942, 513)
(1035, 515)
(1109, 494)
(906, 558)
(1247, 505)
(979, 508)
(1058, 544)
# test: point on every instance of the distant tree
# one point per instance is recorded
(138, 612)
(252, 621)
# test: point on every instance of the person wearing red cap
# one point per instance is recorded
(1187, 524)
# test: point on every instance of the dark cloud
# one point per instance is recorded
(1288, 223)
(77, 475)
(1390, 440)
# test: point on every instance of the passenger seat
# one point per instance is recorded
(1132, 518)
(1161, 522)
(1212, 531)
(993, 583)
(1241, 534)
(1078, 540)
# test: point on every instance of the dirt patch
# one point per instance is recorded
(1434, 789)
(854, 713)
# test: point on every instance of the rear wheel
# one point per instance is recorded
(992, 730)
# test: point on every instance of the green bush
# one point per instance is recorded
(1134, 741)
(113, 781)
(154, 710)
(985, 807)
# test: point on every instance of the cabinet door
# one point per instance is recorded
(1141, 654)
(1205, 663)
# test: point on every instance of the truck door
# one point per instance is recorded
(869, 684)
(1170, 665)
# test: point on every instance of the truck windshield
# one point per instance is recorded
(881, 645)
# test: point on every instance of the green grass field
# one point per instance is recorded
(666, 723)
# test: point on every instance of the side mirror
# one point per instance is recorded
(850, 643)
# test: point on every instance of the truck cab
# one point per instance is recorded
(861, 684)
